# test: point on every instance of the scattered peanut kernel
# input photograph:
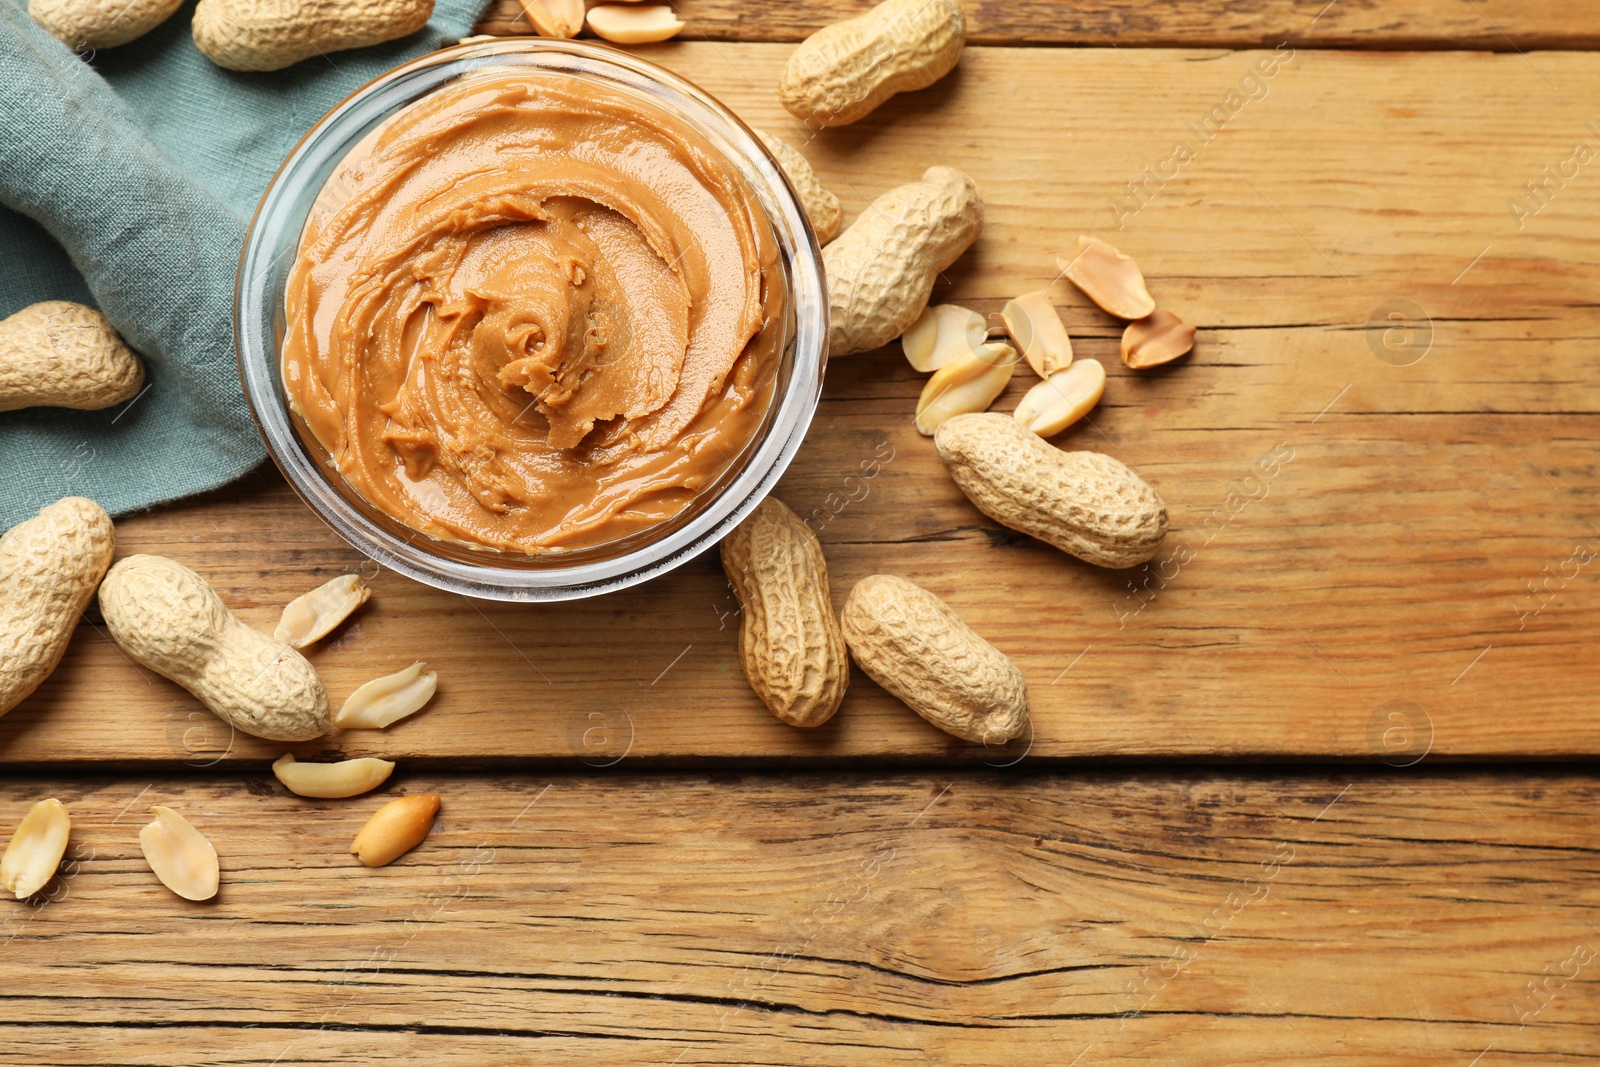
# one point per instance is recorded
(1035, 327)
(347, 778)
(940, 334)
(1109, 278)
(389, 699)
(35, 851)
(968, 383)
(395, 829)
(180, 855)
(555, 18)
(312, 617)
(1160, 337)
(634, 24)
(1063, 398)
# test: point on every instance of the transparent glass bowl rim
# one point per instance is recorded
(274, 236)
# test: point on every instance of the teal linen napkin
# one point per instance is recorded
(131, 176)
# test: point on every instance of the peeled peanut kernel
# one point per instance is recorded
(180, 855)
(313, 616)
(347, 778)
(395, 829)
(940, 334)
(1063, 398)
(628, 24)
(1160, 337)
(388, 699)
(35, 851)
(555, 18)
(1109, 278)
(1035, 327)
(968, 383)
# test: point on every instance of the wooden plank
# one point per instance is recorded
(1496, 25)
(1370, 599)
(1367, 919)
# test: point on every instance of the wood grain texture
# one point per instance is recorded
(1367, 595)
(1387, 919)
(1496, 25)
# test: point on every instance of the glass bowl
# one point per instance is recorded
(270, 249)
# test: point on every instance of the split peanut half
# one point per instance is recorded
(1035, 327)
(942, 333)
(180, 855)
(312, 617)
(969, 383)
(555, 18)
(1109, 278)
(634, 24)
(35, 851)
(347, 778)
(389, 699)
(1063, 398)
(395, 829)
(1158, 338)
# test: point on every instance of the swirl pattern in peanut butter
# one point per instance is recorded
(531, 313)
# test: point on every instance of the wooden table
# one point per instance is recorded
(1314, 790)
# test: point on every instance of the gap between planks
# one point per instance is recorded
(1478, 25)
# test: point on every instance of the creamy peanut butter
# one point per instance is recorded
(532, 313)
